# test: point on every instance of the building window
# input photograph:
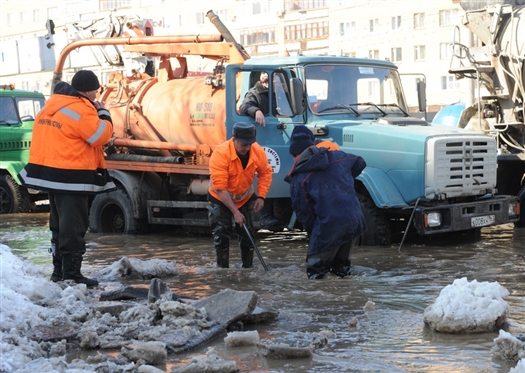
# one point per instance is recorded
(419, 53)
(373, 23)
(260, 7)
(373, 53)
(419, 20)
(448, 17)
(313, 30)
(24, 17)
(114, 4)
(200, 18)
(445, 51)
(261, 36)
(396, 55)
(291, 5)
(52, 13)
(347, 28)
(79, 7)
(396, 22)
(11, 19)
(449, 82)
(36, 15)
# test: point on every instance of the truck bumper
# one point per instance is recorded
(464, 216)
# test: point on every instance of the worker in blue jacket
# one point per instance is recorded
(325, 202)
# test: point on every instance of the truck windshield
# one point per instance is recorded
(358, 90)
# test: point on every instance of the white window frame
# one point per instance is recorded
(445, 51)
(419, 21)
(373, 25)
(448, 17)
(396, 22)
(373, 54)
(396, 54)
(36, 15)
(449, 83)
(347, 28)
(199, 18)
(419, 53)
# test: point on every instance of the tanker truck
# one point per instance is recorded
(423, 179)
(497, 65)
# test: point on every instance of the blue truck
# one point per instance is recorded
(419, 179)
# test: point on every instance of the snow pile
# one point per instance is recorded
(468, 307)
(508, 347)
(135, 268)
(31, 305)
(209, 363)
(248, 338)
(293, 345)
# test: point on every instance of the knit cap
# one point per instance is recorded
(85, 81)
(301, 139)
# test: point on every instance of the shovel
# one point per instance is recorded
(255, 247)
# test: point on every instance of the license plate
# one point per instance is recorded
(482, 221)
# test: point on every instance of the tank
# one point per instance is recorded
(184, 112)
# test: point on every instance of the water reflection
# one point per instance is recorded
(401, 283)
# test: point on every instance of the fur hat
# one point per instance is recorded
(85, 81)
(301, 139)
(244, 132)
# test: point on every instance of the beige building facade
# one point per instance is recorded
(415, 35)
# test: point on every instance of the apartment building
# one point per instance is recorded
(416, 35)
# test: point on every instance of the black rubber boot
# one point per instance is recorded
(71, 265)
(247, 257)
(57, 268)
(341, 271)
(341, 263)
(223, 258)
(317, 265)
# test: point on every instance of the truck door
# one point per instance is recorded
(274, 136)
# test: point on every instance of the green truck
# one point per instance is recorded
(18, 110)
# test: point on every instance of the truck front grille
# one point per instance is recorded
(460, 166)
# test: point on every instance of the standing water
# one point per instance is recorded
(401, 283)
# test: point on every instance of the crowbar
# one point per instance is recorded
(255, 247)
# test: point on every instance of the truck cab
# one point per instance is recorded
(18, 109)
(428, 179)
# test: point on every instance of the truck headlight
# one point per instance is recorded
(514, 209)
(433, 219)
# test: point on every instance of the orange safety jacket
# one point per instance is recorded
(226, 173)
(66, 148)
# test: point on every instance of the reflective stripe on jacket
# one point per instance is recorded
(226, 173)
(66, 148)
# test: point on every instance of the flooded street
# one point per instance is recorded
(392, 338)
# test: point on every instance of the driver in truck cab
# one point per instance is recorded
(256, 102)
(231, 193)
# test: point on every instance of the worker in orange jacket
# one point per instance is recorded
(231, 192)
(67, 161)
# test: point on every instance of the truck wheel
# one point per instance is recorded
(13, 197)
(112, 212)
(378, 233)
(521, 223)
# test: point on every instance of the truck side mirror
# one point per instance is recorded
(297, 96)
(422, 95)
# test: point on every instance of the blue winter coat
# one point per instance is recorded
(324, 198)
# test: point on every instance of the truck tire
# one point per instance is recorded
(13, 197)
(112, 212)
(378, 233)
(521, 223)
